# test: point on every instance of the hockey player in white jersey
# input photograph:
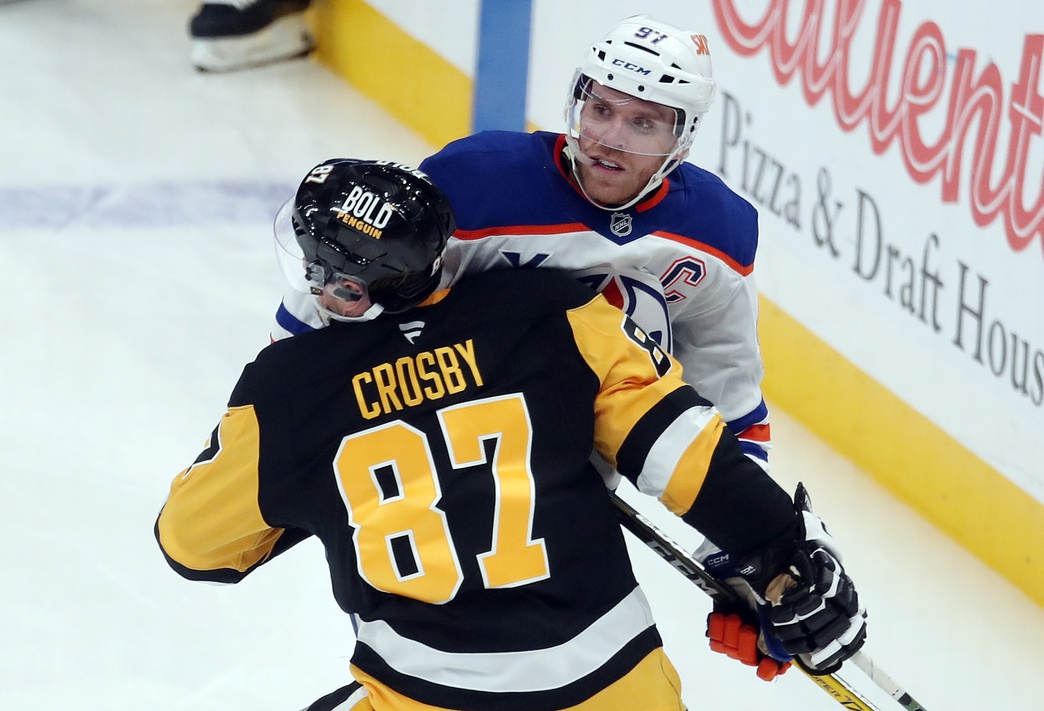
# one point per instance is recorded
(613, 200)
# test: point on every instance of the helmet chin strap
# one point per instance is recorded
(574, 155)
(370, 314)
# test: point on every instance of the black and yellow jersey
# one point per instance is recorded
(442, 456)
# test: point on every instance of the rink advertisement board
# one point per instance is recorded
(894, 151)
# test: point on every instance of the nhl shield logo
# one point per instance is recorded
(620, 224)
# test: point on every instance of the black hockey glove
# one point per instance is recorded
(738, 628)
(808, 603)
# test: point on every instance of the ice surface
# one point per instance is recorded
(137, 277)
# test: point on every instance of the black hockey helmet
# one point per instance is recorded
(380, 224)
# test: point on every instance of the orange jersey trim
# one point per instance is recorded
(756, 433)
(744, 270)
(521, 230)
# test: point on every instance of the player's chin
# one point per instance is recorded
(609, 194)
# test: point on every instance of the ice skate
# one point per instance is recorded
(237, 34)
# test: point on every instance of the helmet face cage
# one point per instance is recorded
(653, 61)
(381, 225)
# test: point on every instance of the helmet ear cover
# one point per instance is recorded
(384, 226)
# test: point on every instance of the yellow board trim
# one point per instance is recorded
(908, 455)
(406, 78)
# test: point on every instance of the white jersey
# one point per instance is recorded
(679, 263)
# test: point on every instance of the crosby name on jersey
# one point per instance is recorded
(413, 379)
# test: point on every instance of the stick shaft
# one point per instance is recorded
(643, 529)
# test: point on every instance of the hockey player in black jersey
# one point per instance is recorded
(438, 443)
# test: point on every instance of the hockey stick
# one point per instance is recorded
(683, 562)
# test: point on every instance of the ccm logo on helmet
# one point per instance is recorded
(364, 211)
(631, 67)
(701, 44)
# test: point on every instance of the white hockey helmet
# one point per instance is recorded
(654, 61)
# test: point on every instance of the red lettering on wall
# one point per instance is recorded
(974, 107)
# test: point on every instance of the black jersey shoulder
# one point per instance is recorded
(479, 306)
(523, 291)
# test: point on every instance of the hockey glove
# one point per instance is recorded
(812, 608)
(737, 630)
